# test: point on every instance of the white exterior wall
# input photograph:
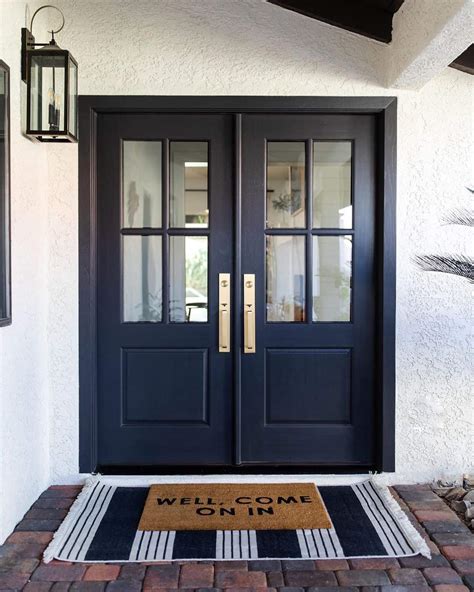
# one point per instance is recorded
(232, 47)
(24, 398)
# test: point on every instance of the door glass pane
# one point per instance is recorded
(141, 205)
(286, 185)
(142, 279)
(285, 278)
(188, 279)
(332, 200)
(332, 278)
(189, 185)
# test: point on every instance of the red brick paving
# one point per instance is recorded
(458, 552)
(435, 515)
(441, 575)
(306, 579)
(451, 568)
(331, 564)
(161, 576)
(41, 538)
(463, 566)
(363, 577)
(240, 579)
(275, 579)
(101, 572)
(196, 576)
(407, 576)
(382, 563)
(451, 588)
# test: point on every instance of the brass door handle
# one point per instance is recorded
(249, 313)
(224, 342)
(249, 332)
(224, 312)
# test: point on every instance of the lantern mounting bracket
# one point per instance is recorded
(27, 43)
(28, 40)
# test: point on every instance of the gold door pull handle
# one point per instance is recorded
(249, 314)
(249, 331)
(224, 312)
(224, 342)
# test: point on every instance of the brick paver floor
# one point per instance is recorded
(451, 568)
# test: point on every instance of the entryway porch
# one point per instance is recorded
(450, 569)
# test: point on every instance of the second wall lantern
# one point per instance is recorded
(50, 74)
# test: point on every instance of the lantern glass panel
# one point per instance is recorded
(72, 113)
(47, 95)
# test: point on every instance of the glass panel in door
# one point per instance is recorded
(286, 194)
(188, 279)
(332, 175)
(142, 279)
(332, 278)
(142, 184)
(189, 185)
(285, 265)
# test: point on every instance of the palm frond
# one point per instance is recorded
(462, 216)
(459, 265)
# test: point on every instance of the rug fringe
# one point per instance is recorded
(58, 538)
(412, 534)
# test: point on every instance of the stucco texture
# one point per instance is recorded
(24, 401)
(241, 47)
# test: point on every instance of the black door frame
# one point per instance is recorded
(385, 110)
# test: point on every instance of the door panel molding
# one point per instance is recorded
(139, 362)
(308, 407)
(385, 109)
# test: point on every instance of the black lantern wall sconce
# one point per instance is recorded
(50, 74)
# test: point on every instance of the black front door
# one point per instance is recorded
(308, 240)
(291, 381)
(164, 235)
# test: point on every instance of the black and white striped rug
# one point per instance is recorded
(102, 526)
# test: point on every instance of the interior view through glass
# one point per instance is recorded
(142, 255)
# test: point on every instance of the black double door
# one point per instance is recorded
(236, 305)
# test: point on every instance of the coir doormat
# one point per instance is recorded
(230, 506)
(112, 522)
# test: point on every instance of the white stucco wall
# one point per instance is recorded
(238, 47)
(24, 397)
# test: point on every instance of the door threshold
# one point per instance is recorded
(354, 469)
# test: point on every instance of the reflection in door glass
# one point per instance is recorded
(332, 278)
(188, 279)
(141, 200)
(286, 185)
(332, 202)
(285, 278)
(189, 185)
(142, 279)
